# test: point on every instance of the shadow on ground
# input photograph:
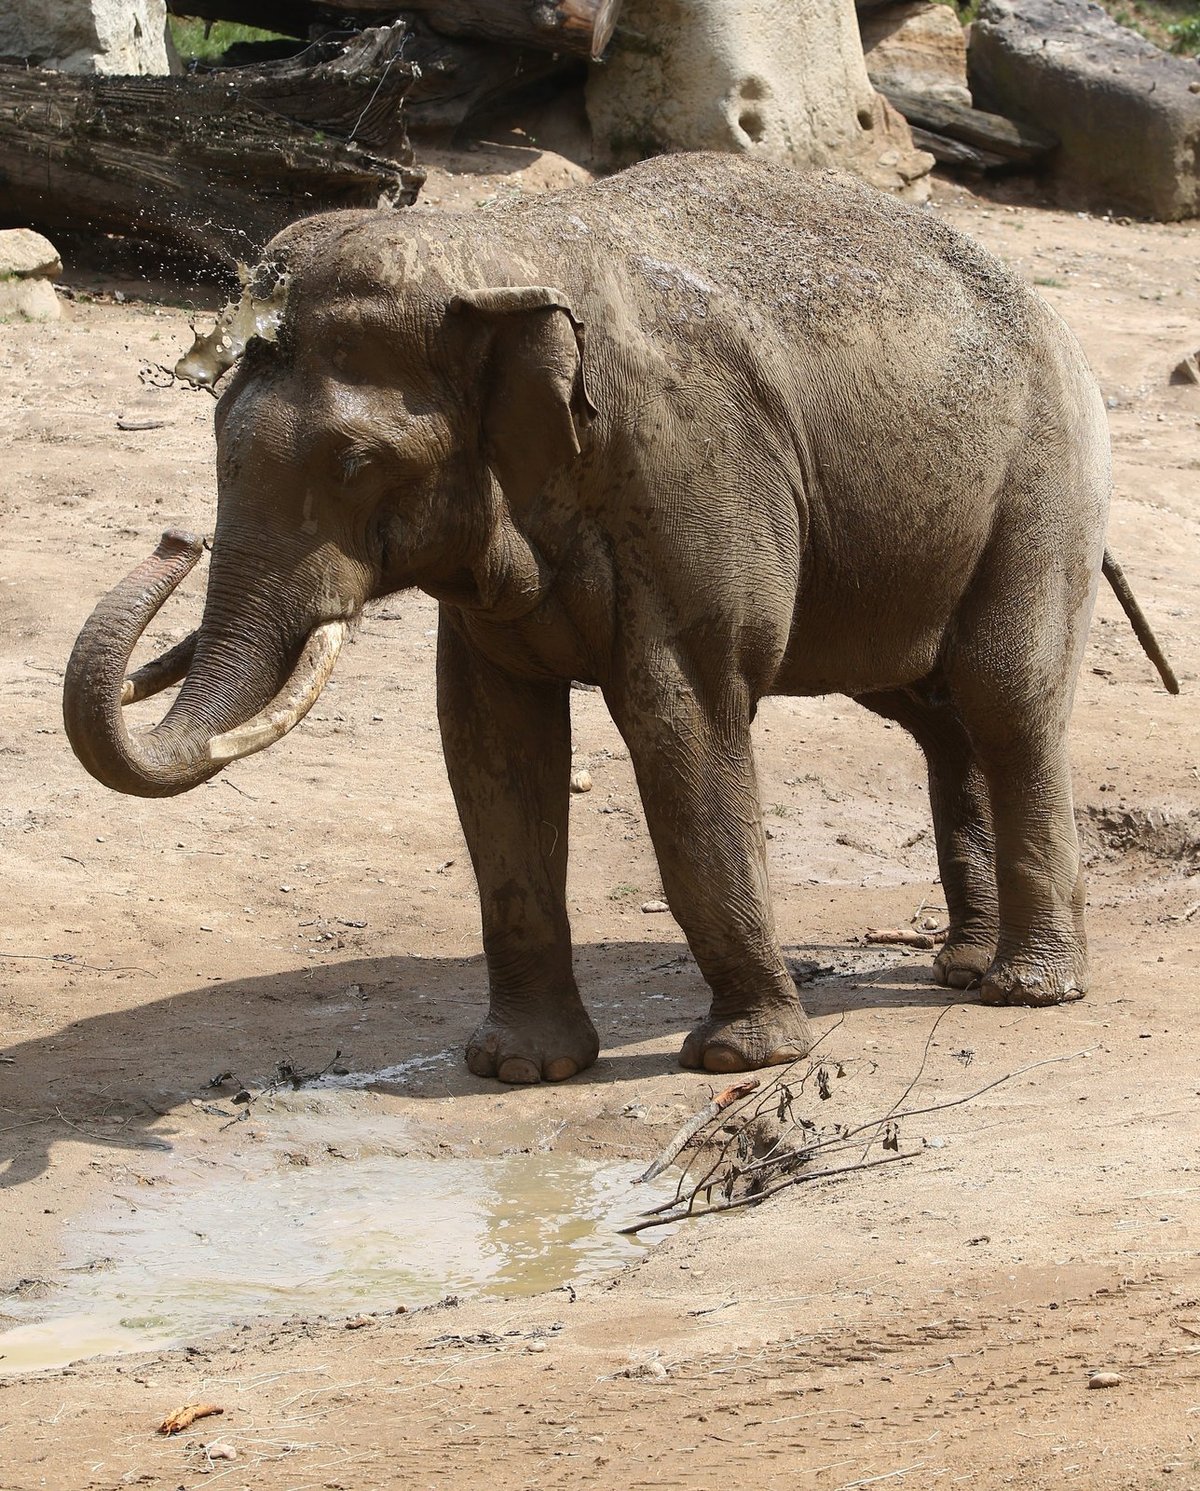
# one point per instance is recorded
(111, 1077)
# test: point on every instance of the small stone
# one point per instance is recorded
(219, 1450)
(653, 908)
(1187, 370)
(536, 1346)
(581, 781)
(1105, 1379)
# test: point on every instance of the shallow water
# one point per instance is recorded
(319, 1212)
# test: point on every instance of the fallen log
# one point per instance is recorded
(443, 84)
(581, 27)
(197, 169)
(948, 152)
(990, 134)
(355, 88)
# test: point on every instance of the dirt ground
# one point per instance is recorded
(931, 1324)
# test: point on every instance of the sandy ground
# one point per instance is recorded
(933, 1324)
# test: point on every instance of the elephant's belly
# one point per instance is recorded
(839, 652)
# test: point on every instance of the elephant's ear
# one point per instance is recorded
(535, 408)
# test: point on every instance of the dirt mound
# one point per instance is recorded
(1168, 836)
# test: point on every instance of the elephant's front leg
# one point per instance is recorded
(508, 754)
(695, 771)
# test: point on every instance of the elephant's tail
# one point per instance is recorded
(1137, 619)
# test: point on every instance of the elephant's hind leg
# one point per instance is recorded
(1042, 953)
(1012, 676)
(508, 754)
(962, 823)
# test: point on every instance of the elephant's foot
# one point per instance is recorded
(1026, 981)
(546, 1045)
(962, 965)
(771, 1036)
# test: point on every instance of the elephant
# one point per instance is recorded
(703, 431)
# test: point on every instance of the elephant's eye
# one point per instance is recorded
(355, 460)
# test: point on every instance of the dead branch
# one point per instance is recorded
(785, 1166)
(693, 1126)
(768, 1191)
(183, 1418)
(905, 936)
(582, 27)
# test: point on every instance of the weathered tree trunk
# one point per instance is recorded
(781, 81)
(444, 82)
(356, 89)
(582, 27)
(198, 169)
(990, 140)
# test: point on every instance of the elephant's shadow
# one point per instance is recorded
(113, 1077)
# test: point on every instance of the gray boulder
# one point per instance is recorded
(1127, 113)
(125, 37)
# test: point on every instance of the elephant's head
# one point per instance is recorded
(389, 421)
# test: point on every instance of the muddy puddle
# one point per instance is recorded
(316, 1209)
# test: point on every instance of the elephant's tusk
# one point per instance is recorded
(160, 674)
(290, 704)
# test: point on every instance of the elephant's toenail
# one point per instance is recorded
(516, 1069)
(559, 1069)
(719, 1058)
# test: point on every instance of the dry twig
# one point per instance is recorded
(693, 1126)
(726, 1130)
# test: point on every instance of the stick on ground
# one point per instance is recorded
(694, 1125)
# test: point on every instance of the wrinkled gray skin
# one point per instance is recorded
(756, 433)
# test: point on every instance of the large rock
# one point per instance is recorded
(917, 47)
(1123, 109)
(25, 254)
(125, 37)
(782, 80)
(33, 300)
(28, 264)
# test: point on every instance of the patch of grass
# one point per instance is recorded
(619, 892)
(196, 44)
(1171, 24)
(1185, 36)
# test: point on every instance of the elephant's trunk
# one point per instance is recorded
(191, 744)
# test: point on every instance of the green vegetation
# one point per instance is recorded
(1173, 25)
(965, 10)
(195, 44)
(1185, 36)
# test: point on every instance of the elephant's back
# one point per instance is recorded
(816, 251)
